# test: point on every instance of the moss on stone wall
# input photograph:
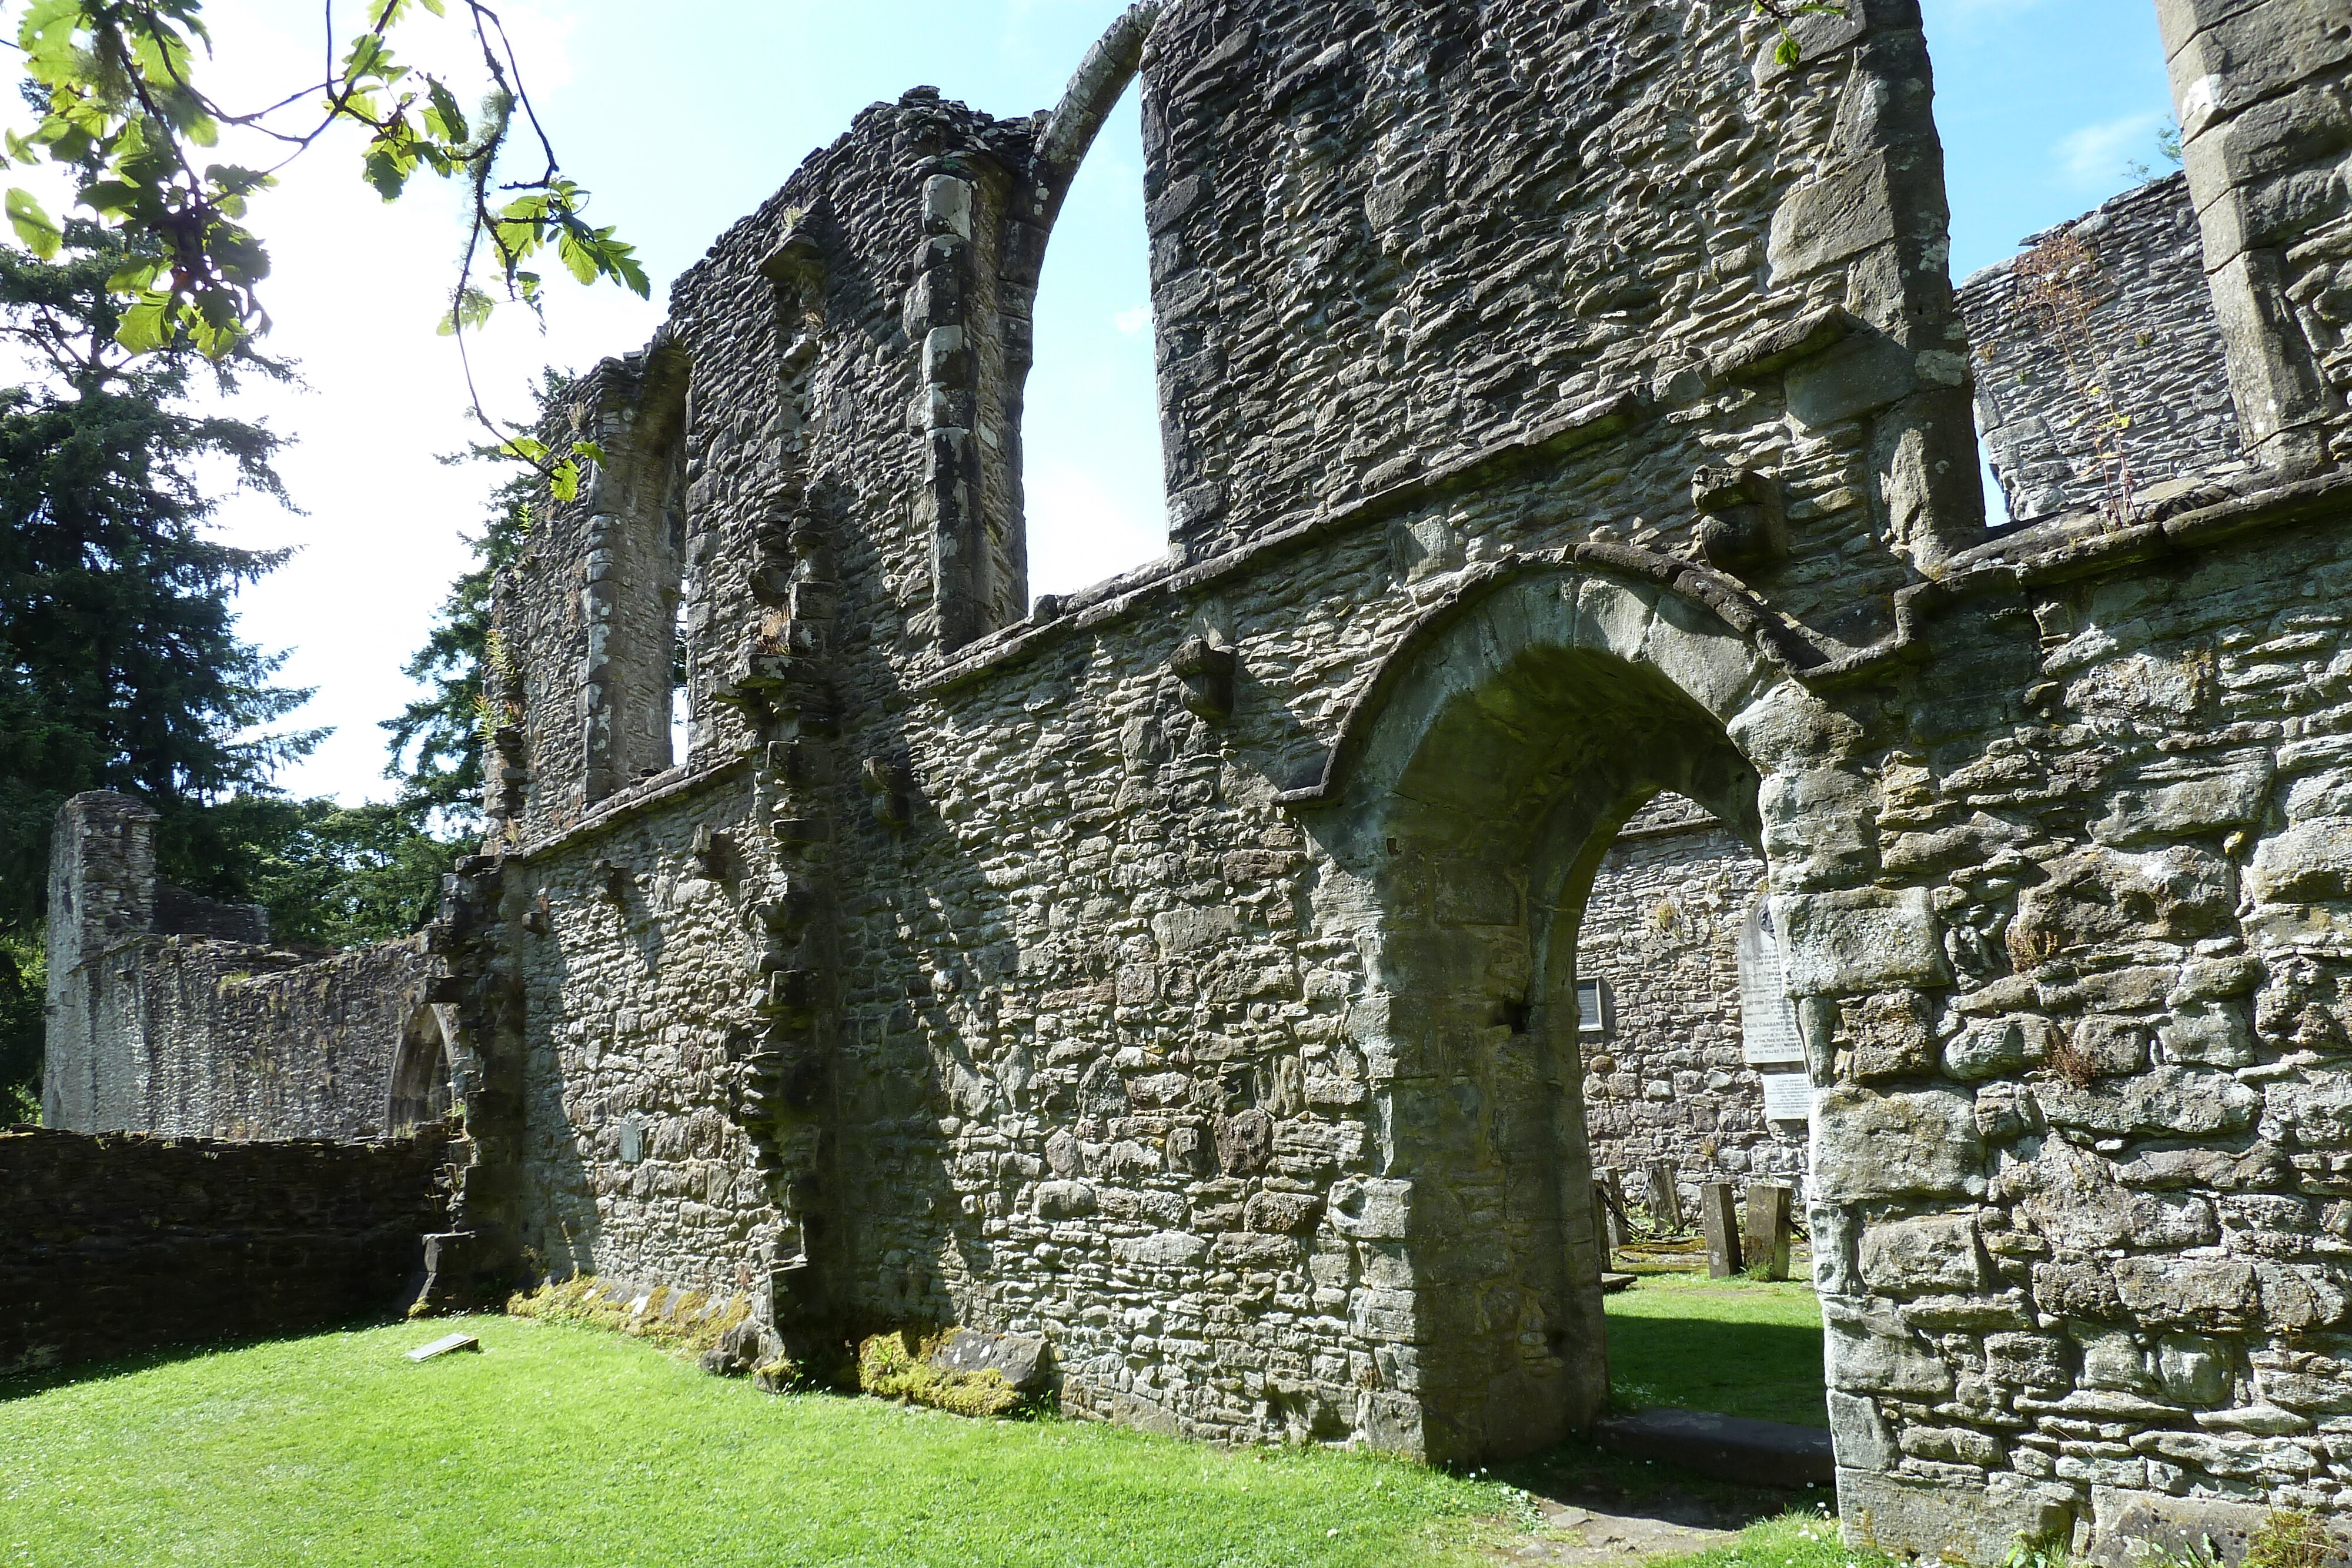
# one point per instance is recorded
(678, 1320)
(887, 1368)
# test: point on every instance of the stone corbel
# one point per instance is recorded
(1743, 527)
(1206, 672)
(893, 790)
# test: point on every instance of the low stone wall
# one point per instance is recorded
(124, 1242)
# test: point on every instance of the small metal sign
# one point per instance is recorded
(633, 1141)
(1591, 1007)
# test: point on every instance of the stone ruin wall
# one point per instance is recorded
(1172, 973)
(1667, 1078)
(2151, 344)
(1110, 1040)
(172, 1014)
(121, 1243)
(2259, 88)
(803, 474)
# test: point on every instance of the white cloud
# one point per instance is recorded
(1131, 322)
(2100, 154)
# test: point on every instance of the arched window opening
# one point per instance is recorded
(2097, 360)
(421, 1092)
(681, 718)
(1092, 477)
(637, 602)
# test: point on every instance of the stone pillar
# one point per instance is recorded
(101, 895)
(1666, 1198)
(1719, 1216)
(2256, 87)
(1766, 1243)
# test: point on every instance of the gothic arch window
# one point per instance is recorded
(637, 599)
(421, 1092)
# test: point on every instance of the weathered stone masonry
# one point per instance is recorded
(1562, 404)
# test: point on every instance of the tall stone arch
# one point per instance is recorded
(1476, 787)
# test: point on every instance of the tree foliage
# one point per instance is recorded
(436, 742)
(121, 112)
(125, 113)
(119, 664)
(328, 875)
(121, 667)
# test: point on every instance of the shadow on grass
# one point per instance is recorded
(1729, 1347)
(1767, 1372)
(40, 1380)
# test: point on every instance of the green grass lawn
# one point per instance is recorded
(1742, 1347)
(570, 1447)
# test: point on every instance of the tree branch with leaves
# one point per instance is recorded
(121, 113)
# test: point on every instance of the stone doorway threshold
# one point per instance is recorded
(1587, 1537)
(1599, 1504)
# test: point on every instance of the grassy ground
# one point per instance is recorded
(565, 1446)
(1742, 1347)
(559, 1445)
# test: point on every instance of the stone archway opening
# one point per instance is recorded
(1694, 1072)
(421, 1075)
(1500, 756)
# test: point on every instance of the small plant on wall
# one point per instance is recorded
(2060, 287)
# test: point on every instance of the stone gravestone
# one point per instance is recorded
(1665, 1201)
(1609, 1197)
(1718, 1217)
(1766, 1244)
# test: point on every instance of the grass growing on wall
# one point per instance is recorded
(557, 1446)
(1742, 1347)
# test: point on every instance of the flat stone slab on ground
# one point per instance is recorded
(1612, 1283)
(445, 1344)
(1729, 1447)
(1019, 1358)
(1585, 1536)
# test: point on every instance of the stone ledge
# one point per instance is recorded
(616, 808)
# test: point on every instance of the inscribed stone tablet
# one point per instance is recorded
(1768, 1021)
(1788, 1097)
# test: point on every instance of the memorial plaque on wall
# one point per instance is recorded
(1768, 1019)
(1788, 1096)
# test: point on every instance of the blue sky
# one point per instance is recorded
(684, 117)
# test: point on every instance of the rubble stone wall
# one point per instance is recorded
(1665, 1075)
(1182, 971)
(2129, 397)
(157, 1026)
(2258, 86)
(125, 1243)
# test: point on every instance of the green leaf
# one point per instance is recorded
(472, 309)
(589, 450)
(34, 226)
(564, 481)
(135, 276)
(1787, 53)
(146, 325)
(443, 118)
(387, 172)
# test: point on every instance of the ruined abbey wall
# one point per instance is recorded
(1667, 1075)
(2101, 380)
(1185, 970)
(172, 1014)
